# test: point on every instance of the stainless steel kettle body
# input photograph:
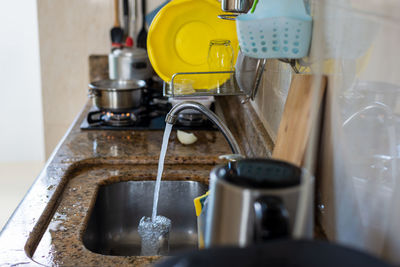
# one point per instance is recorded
(129, 64)
(254, 200)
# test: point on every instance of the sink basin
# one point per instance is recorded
(113, 223)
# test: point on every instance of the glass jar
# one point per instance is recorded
(220, 55)
(220, 58)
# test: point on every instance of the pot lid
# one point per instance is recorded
(131, 52)
(112, 85)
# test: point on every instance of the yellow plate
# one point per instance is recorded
(179, 38)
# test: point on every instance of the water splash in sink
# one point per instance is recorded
(155, 235)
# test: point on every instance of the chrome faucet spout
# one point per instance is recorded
(172, 117)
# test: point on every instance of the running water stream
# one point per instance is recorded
(154, 231)
(164, 147)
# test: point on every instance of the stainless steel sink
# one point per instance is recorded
(113, 223)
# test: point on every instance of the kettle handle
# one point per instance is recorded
(271, 219)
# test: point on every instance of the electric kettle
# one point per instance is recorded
(254, 200)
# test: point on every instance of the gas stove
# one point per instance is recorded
(149, 116)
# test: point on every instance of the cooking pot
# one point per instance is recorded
(116, 95)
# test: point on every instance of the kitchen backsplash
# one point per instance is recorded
(270, 100)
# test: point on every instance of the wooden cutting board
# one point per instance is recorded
(298, 119)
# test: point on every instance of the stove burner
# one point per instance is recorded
(118, 119)
(149, 116)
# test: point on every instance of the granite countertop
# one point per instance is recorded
(47, 226)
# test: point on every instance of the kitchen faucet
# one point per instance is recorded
(172, 117)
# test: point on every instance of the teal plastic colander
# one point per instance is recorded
(276, 29)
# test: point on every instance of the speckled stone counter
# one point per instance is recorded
(83, 161)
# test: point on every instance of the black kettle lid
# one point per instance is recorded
(261, 173)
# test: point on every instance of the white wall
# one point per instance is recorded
(21, 127)
(21, 130)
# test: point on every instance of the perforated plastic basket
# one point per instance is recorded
(276, 32)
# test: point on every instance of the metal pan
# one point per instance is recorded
(116, 95)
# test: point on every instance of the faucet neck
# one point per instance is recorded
(172, 117)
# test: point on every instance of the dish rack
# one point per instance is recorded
(228, 87)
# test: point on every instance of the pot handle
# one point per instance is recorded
(271, 219)
(91, 117)
(93, 93)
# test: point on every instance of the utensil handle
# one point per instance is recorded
(271, 219)
(144, 13)
(133, 19)
(126, 16)
(126, 7)
(116, 13)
